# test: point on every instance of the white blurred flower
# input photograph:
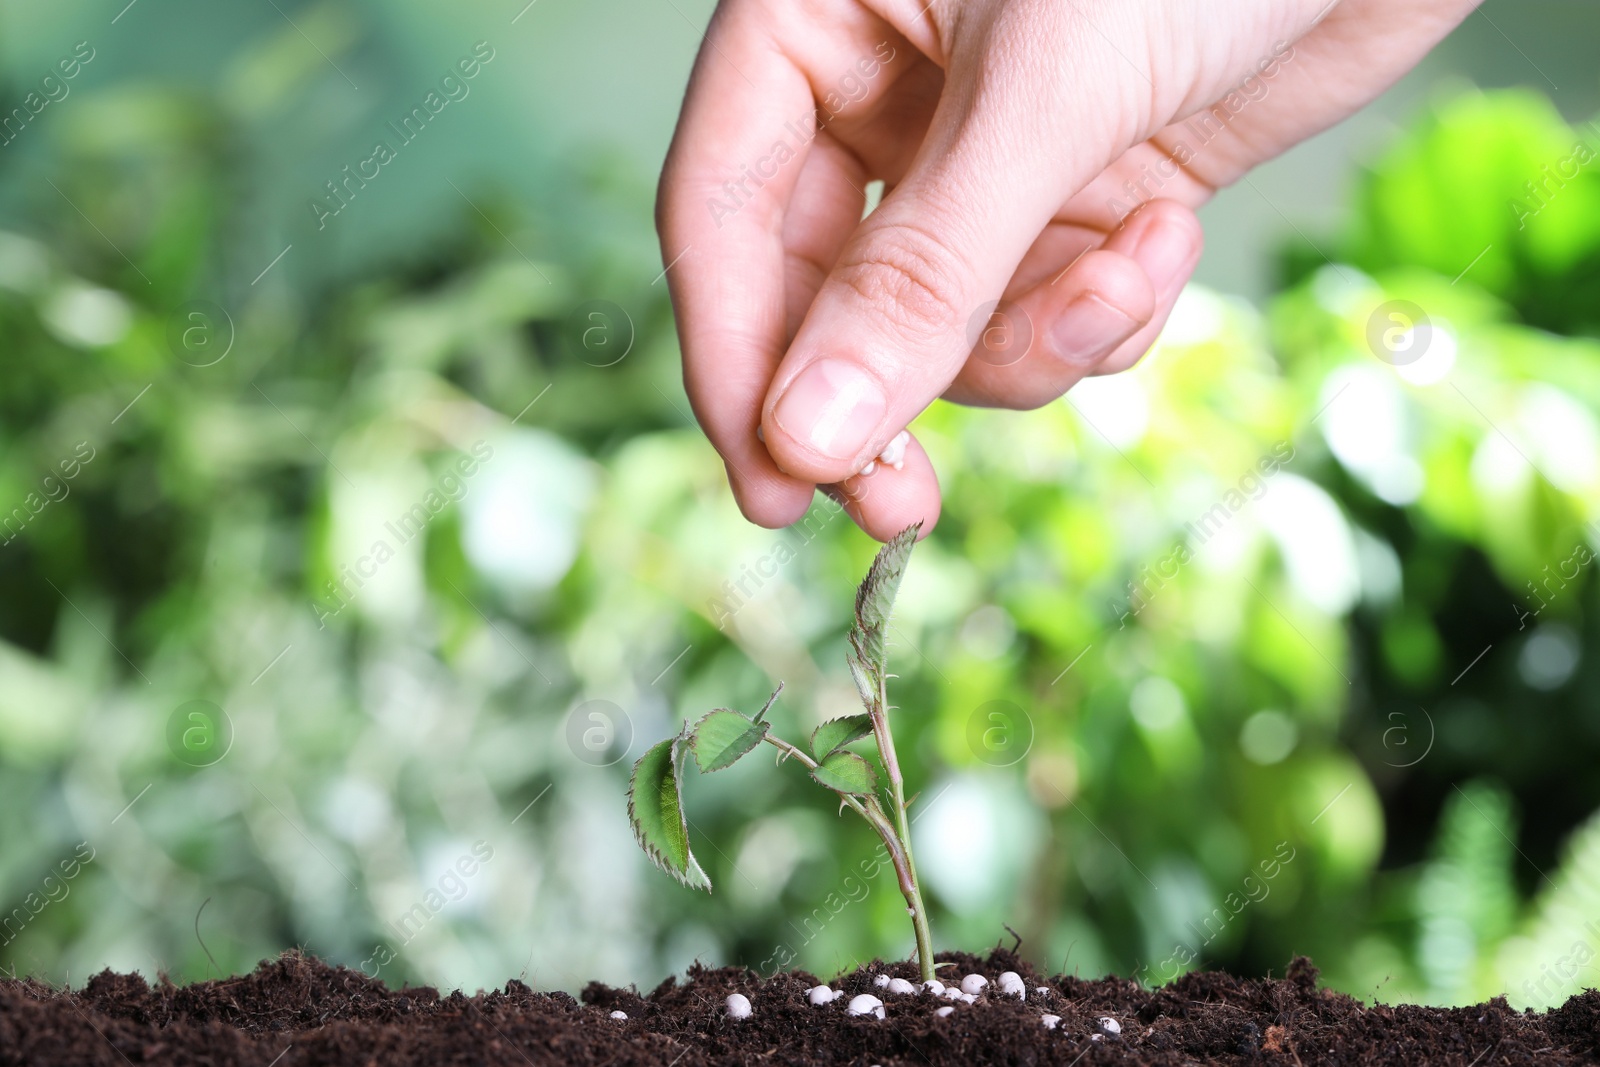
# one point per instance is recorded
(24, 264)
(86, 316)
(1562, 436)
(1114, 406)
(525, 510)
(1435, 362)
(1312, 535)
(1367, 425)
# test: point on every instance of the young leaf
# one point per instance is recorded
(771, 700)
(836, 733)
(655, 808)
(723, 736)
(847, 772)
(874, 600)
(865, 685)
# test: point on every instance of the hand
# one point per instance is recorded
(1044, 153)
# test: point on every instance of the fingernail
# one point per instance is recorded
(833, 406)
(1163, 251)
(1088, 329)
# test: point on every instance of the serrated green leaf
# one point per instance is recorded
(847, 772)
(722, 736)
(655, 808)
(836, 733)
(868, 656)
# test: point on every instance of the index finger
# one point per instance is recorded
(741, 141)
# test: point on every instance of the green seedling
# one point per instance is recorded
(723, 736)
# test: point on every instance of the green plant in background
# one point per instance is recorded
(723, 736)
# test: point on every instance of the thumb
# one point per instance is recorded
(889, 328)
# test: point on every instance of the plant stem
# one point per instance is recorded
(896, 840)
(870, 810)
(897, 787)
(810, 764)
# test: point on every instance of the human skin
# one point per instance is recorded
(1004, 131)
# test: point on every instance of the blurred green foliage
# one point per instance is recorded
(1269, 646)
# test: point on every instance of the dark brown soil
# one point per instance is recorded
(296, 1011)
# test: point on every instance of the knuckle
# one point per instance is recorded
(910, 276)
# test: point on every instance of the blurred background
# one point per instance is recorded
(335, 550)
